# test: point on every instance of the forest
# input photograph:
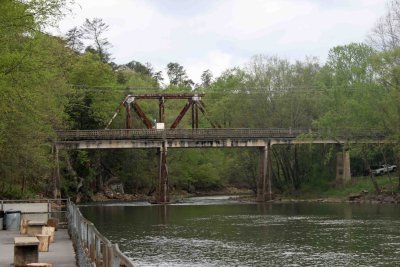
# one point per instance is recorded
(50, 83)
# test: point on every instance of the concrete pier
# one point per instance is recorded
(61, 252)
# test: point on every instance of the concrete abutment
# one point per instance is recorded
(343, 168)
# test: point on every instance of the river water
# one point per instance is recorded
(219, 232)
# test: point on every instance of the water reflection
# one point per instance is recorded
(220, 232)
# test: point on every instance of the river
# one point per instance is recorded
(215, 231)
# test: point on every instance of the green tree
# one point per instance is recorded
(32, 88)
(177, 75)
(206, 78)
(94, 30)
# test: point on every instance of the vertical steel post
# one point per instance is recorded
(264, 185)
(128, 116)
(197, 114)
(193, 123)
(161, 110)
(269, 184)
(162, 192)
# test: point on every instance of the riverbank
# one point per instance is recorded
(359, 190)
(176, 195)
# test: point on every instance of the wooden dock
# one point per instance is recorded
(61, 252)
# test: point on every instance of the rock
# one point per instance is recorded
(389, 199)
(355, 197)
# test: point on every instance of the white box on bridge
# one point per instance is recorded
(160, 126)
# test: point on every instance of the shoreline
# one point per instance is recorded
(248, 195)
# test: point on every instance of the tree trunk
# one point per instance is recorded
(388, 173)
(372, 176)
(398, 171)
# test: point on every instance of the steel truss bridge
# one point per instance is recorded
(216, 137)
(208, 138)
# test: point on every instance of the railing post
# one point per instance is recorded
(104, 254)
(113, 257)
(98, 251)
(91, 243)
(48, 209)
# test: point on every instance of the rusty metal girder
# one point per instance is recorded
(202, 108)
(166, 96)
(181, 114)
(117, 111)
(161, 110)
(128, 122)
(196, 109)
(193, 116)
(162, 190)
(142, 116)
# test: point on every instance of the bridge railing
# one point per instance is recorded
(212, 134)
(116, 134)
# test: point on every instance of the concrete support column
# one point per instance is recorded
(162, 190)
(264, 185)
(343, 169)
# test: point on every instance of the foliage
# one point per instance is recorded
(32, 88)
(177, 75)
(49, 83)
(94, 30)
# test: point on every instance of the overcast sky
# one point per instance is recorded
(221, 34)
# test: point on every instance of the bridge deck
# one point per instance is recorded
(153, 138)
(140, 134)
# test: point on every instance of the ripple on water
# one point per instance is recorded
(241, 236)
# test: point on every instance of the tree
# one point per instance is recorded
(73, 39)
(32, 88)
(206, 78)
(94, 30)
(177, 75)
(140, 68)
(349, 65)
(386, 33)
(88, 108)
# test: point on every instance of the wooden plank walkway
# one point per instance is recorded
(61, 252)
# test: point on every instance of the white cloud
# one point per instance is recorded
(218, 60)
(220, 34)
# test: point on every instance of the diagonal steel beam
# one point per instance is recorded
(142, 116)
(117, 111)
(202, 108)
(181, 114)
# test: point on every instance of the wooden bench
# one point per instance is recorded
(35, 227)
(48, 230)
(25, 251)
(44, 242)
(39, 264)
(53, 222)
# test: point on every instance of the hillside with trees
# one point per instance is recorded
(50, 83)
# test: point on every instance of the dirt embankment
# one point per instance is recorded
(247, 195)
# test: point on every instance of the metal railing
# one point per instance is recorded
(91, 246)
(50, 208)
(154, 134)
(212, 134)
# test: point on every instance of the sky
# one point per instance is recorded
(222, 34)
